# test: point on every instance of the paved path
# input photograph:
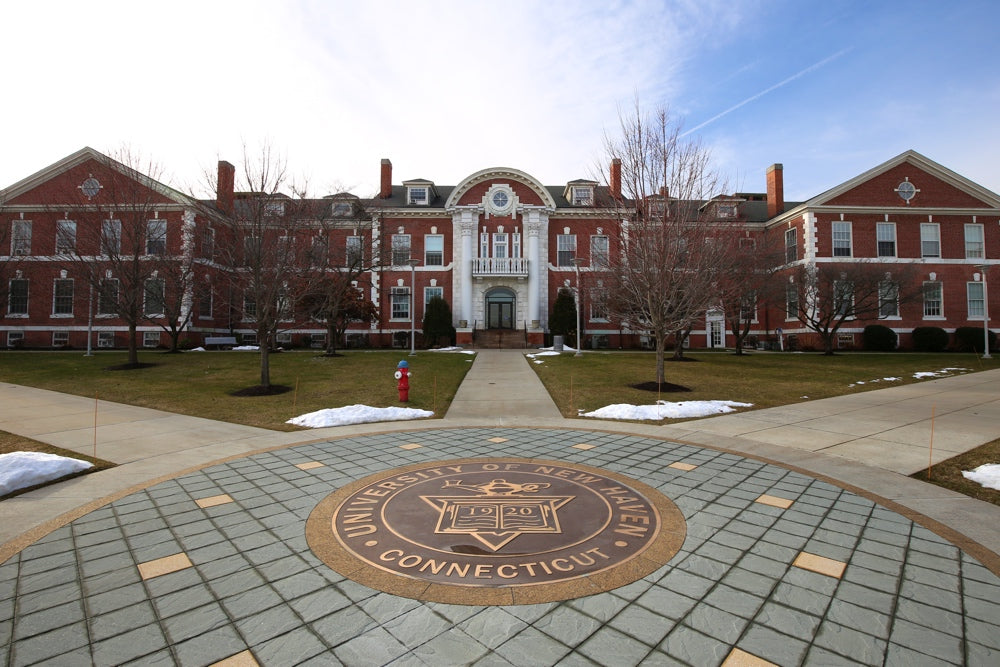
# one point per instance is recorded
(193, 551)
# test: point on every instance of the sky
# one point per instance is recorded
(445, 89)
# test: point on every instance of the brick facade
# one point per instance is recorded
(496, 247)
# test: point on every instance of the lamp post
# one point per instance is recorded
(413, 302)
(986, 312)
(577, 261)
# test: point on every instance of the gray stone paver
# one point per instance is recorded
(906, 594)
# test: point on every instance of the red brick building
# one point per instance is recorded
(497, 247)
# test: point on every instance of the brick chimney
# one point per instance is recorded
(615, 181)
(775, 190)
(224, 187)
(385, 191)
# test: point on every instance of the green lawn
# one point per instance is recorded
(765, 379)
(203, 383)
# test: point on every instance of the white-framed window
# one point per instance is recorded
(400, 303)
(792, 302)
(20, 238)
(60, 338)
(841, 234)
(845, 341)
(106, 339)
(726, 210)
(434, 250)
(582, 195)
(974, 241)
(354, 251)
(107, 297)
(885, 239)
(418, 196)
(249, 306)
(111, 237)
(62, 296)
(976, 302)
(888, 299)
(156, 237)
(500, 245)
(284, 338)
(748, 243)
(207, 243)
(599, 304)
(791, 245)
(843, 298)
(484, 245)
(283, 305)
(748, 308)
(933, 304)
(17, 297)
(249, 338)
(430, 293)
(65, 237)
(318, 250)
(274, 209)
(515, 245)
(15, 338)
(341, 209)
(930, 239)
(152, 304)
(204, 296)
(400, 249)
(599, 252)
(150, 338)
(565, 249)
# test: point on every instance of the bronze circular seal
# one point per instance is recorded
(495, 531)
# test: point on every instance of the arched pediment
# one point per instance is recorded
(504, 174)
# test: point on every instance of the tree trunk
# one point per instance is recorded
(331, 339)
(661, 344)
(133, 348)
(265, 365)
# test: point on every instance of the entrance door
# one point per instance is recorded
(715, 334)
(500, 308)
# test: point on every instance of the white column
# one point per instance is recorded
(532, 228)
(465, 266)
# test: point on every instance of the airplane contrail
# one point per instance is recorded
(765, 92)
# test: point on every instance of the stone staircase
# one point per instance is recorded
(502, 339)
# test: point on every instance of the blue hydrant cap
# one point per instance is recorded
(402, 364)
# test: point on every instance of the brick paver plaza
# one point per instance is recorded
(776, 566)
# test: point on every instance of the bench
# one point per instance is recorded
(220, 341)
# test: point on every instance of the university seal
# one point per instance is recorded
(495, 531)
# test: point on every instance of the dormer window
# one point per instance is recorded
(583, 195)
(341, 208)
(418, 196)
(274, 208)
(727, 210)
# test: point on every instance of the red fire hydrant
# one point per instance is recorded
(403, 381)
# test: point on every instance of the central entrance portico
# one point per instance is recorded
(501, 307)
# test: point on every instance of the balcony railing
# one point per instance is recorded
(499, 266)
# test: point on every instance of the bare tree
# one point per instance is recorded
(344, 252)
(171, 282)
(117, 239)
(10, 258)
(826, 295)
(671, 241)
(267, 247)
(745, 282)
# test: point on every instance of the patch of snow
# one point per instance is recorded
(197, 349)
(459, 350)
(888, 379)
(356, 414)
(986, 475)
(944, 372)
(666, 410)
(19, 470)
(246, 348)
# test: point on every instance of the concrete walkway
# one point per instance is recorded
(192, 550)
